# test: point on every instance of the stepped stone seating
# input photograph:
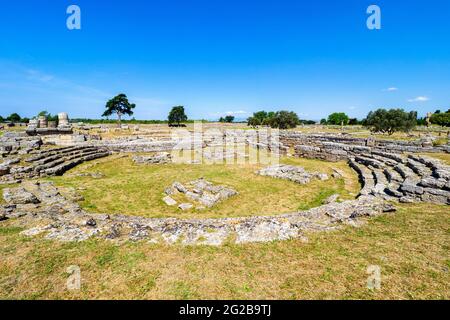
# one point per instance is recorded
(409, 178)
(54, 161)
(13, 143)
(341, 144)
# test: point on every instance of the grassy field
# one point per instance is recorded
(133, 189)
(411, 247)
(444, 157)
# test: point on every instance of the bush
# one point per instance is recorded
(390, 121)
(442, 119)
(338, 118)
(284, 120)
(14, 118)
(280, 119)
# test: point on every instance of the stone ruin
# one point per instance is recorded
(41, 126)
(292, 173)
(201, 192)
(53, 215)
(390, 171)
(158, 158)
(49, 162)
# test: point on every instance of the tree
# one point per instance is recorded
(442, 119)
(2, 119)
(119, 105)
(229, 119)
(390, 121)
(323, 121)
(14, 117)
(284, 120)
(338, 118)
(48, 116)
(254, 122)
(353, 122)
(260, 116)
(177, 115)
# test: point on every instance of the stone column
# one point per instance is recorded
(63, 120)
(42, 122)
(34, 123)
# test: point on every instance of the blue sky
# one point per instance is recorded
(218, 57)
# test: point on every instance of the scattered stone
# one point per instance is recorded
(169, 201)
(91, 222)
(202, 191)
(292, 173)
(4, 169)
(186, 206)
(338, 174)
(159, 158)
(94, 175)
(19, 196)
(179, 187)
(331, 199)
(406, 199)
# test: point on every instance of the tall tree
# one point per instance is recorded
(119, 105)
(177, 115)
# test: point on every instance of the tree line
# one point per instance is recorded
(16, 118)
(381, 120)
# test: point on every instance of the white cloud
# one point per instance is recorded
(35, 75)
(391, 89)
(237, 113)
(353, 108)
(419, 99)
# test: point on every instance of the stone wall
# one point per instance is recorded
(339, 147)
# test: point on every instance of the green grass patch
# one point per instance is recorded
(132, 189)
(410, 246)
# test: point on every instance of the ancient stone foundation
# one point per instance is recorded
(55, 217)
(389, 171)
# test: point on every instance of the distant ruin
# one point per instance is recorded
(41, 126)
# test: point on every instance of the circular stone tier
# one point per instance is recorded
(385, 177)
(41, 204)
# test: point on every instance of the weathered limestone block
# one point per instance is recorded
(202, 191)
(19, 196)
(292, 173)
(159, 158)
(186, 206)
(4, 169)
(169, 201)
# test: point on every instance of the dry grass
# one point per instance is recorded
(411, 247)
(444, 157)
(133, 189)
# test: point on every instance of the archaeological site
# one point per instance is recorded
(215, 157)
(389, 171)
